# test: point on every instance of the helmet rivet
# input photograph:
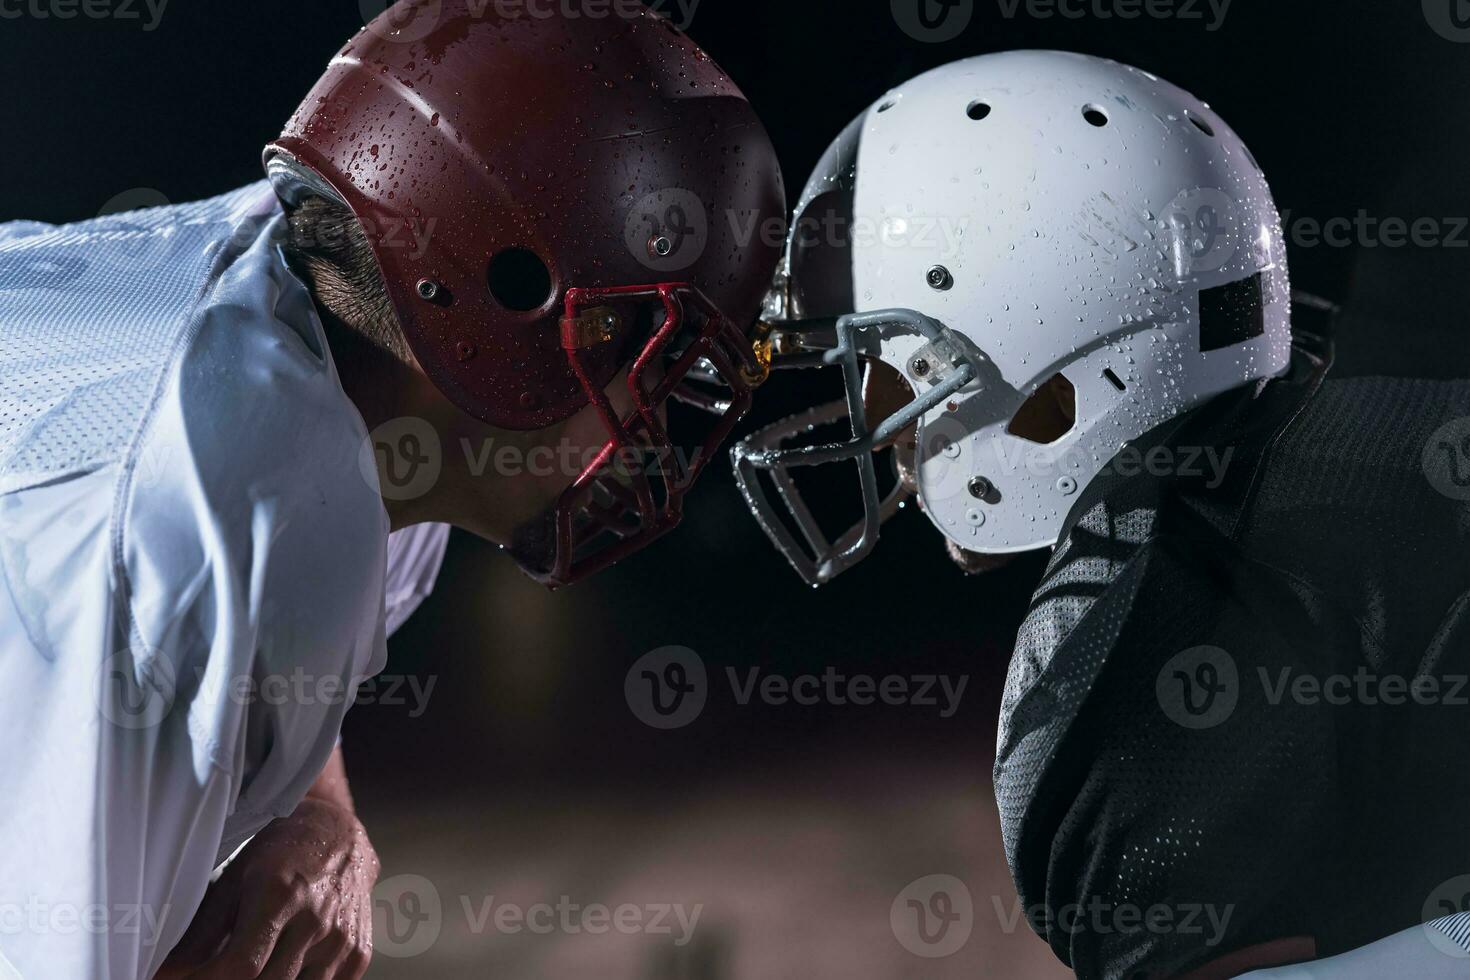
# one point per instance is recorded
(980, 488)
(1066, 486)
(939, 277)
(465, 350)
(528, 399)
(660, 247)
(919, 367)
(428, 289)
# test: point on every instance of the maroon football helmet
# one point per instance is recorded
(551, 200)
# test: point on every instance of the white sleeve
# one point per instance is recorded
(184, 617)
(414, 557)
(1437, 950)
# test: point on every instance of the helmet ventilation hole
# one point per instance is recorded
(887, 105)
(1114, 380)
(519, 280)
(1200, 124)
(1095, 115)
(978, 110)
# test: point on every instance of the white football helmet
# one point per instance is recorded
(1057, 253)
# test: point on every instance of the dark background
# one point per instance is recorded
(527, 752)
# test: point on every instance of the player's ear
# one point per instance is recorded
(884, 392)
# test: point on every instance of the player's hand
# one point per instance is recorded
(296, 903)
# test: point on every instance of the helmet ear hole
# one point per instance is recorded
(1095, 115)
(1049, 414)
(519, 280)
(978, 110)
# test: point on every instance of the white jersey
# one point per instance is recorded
(192, 569)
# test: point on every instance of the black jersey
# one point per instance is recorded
(1238, 710)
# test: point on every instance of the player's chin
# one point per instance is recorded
(533, 543)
